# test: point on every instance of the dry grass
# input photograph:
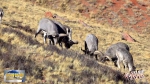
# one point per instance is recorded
(51, 65)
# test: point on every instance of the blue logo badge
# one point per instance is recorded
(14, 75)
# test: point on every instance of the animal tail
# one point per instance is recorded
(38, 31)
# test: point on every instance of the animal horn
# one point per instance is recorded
(75, 42)
(108, 57)
(97, 52)
(62, 35)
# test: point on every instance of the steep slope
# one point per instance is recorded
(50, 64)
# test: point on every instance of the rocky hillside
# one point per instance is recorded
(133, 15)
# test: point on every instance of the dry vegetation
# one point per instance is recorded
(51, 65)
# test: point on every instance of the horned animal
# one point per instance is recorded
(67, 40)
(1, 14)
(91, 45)
(56, 32)
(124, 56)
(110, 54)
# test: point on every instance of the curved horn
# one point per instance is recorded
(108, 57)
(97, 52)
(62, 35)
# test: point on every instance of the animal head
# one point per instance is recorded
(68, 39)
(105, 58)
(70, 43)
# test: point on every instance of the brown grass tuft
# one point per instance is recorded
(23, 37)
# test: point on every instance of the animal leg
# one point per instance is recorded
(91, 56)
(60, 44)
(45, 36)
(115, 63)
(125, 65)
(0, 18)
(118, 64)
(51, 41)
(96, 57)
(118, 60)
(55, 41)
(86, 49)
(131, 67)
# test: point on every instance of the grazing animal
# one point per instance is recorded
(124, 56)
(50, 29)
(91, 45)
(110, 54)
(67, 40)
(1, 14)
(56, 32)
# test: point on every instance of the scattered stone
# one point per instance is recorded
(127, 37)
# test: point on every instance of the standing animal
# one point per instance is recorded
(62, 29)
(1, 14)
(49, 28)
(91, 45)
(110, 54)
(55, 31)
(126, 58)
(67, 40)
